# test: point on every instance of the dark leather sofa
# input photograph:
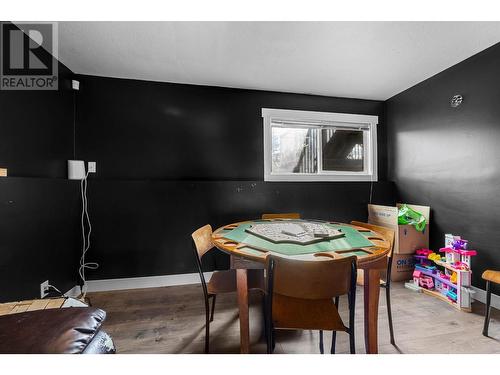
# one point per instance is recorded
(75, 330)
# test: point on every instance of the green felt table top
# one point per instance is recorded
(353, 239)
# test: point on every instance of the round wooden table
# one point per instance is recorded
(249, 251)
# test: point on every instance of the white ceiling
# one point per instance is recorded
(370, 60)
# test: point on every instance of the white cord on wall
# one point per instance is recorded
(85, 237)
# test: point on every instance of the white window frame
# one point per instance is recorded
(339, 120)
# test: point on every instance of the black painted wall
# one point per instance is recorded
(448, 158)
(152, 130)
(172, 157)
(37, 130)
(143, 227)
(39, 234)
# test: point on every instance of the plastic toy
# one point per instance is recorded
(426, 282)
(461, 266)
(459, 244)
(453, 278)
(434, 256)
(425, 252)
(416, 277)
(452, 296)
(407, 216)
(444, 276)
(438, 285)
(448, 276)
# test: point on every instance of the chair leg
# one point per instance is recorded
(321, 347)
(207, 326)
(271, 343)
(264, 317)
(334, 333)
(268, 326)
(352, 307)
(214, 296)
(389, 313)
(273, 340)
(488, 309)
(268, 339)
(268, 322)
(351, 342)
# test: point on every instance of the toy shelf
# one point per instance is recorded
(434, 273)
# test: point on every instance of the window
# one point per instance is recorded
(319, 146)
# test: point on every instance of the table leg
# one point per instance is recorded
(242, 285)
(371, 297)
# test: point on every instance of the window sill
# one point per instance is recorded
(321, 178)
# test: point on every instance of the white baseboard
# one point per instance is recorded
(144, 282)
(480, 296)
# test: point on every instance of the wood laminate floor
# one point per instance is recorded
(171, 320)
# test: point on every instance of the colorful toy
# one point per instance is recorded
(446, 288)
(409, 216)
(416, 277)
(434, 256)
(438, 285)
(447, 277)
(453, 278)
(461, 266)
(444, 276)
(452, 296)
(459, 244)
(426, 282)
(425, 252)
(422, 255)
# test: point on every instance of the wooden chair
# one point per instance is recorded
(221, 281)
(384, 283)
(491, 277)
(300, 296)
(292, 215)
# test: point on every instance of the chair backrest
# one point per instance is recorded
(311, 279)
(292, 215)
(202, 239)
(386, 232)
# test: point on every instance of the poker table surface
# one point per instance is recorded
(363, 243)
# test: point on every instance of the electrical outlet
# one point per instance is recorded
(92, 167)
(44, 288)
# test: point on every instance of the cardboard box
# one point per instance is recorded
(402, 267)
(407, 238)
